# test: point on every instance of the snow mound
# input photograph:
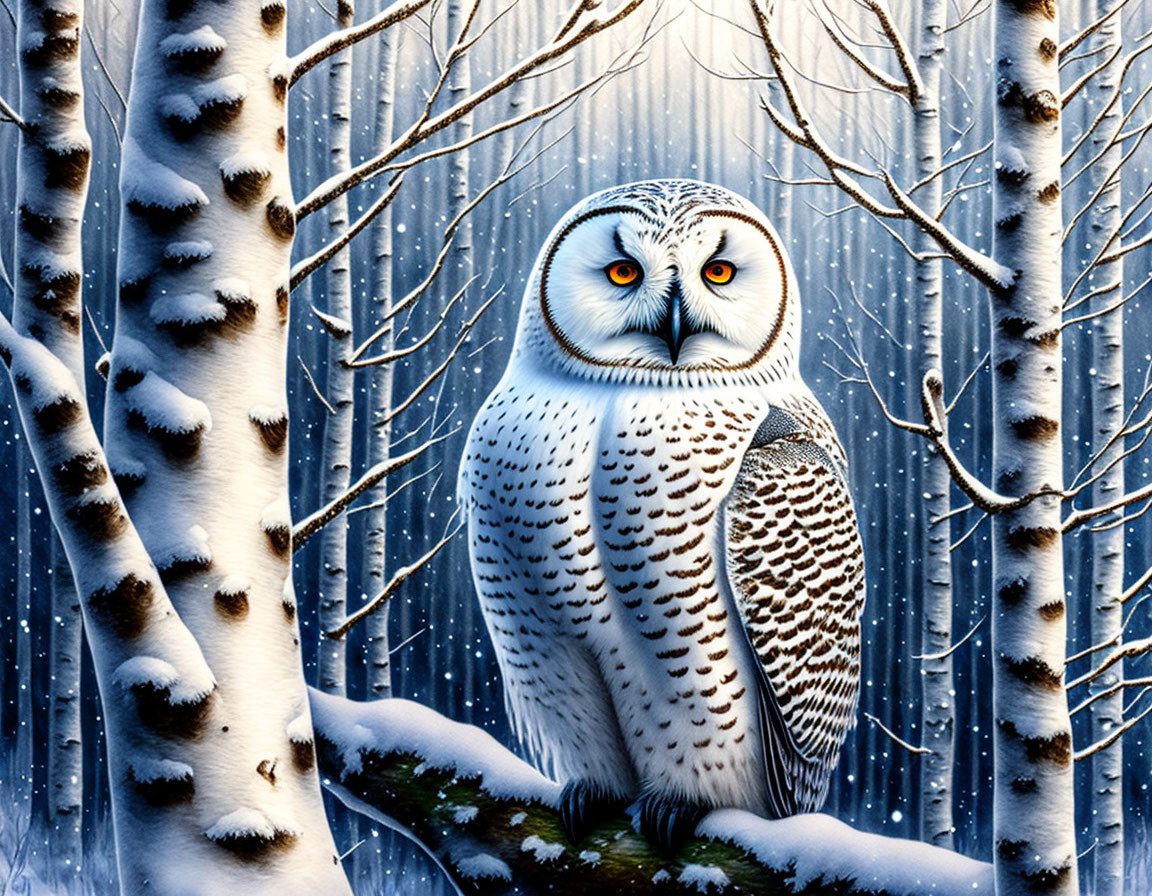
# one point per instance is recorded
(132, 354)
(464, 814)
(246, 161)
(185, 251)
(266, 414)
(233, 289)
(148, 770)
(179, 105)
(820, 846)
(245, 823)
(149, 183)
(703, 877)
(589, 857)
(191, 547)
(165, 407)
(277, 515)
(190, 308)
(234, 584)
(661, 876)
(49, 380)
(484, 865)
(145, 670)
(396, 725)
(542, 849)
(299, 730)
(202, 40)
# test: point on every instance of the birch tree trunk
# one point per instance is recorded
(375, 562)
(1105, 176)
(66, 759)
(1034, 830)
(937, 686)
(337, 453)
(196, 433)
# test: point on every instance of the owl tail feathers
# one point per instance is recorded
(584, 804)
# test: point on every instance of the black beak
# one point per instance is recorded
(675, 328)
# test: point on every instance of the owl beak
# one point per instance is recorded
(675, 328)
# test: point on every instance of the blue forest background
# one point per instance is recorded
(671, 114)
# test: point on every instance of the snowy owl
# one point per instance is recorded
(661, 530)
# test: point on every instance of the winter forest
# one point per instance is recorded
(261, 264)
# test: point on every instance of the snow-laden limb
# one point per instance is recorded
(412, 769)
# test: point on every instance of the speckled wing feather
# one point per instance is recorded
(796, 567)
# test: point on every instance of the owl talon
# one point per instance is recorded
(668, 823)
(584, 804)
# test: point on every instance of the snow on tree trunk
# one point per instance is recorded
(375, 558)
(66, 756)
(196, 433)
(1107, 799)
(937, 686)
(1034, 830)
(336, 462)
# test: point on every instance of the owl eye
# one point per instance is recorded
(623, 273)
(719, 272)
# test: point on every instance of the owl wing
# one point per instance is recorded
(796, 569)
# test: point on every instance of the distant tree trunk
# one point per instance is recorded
(1034, 829)
(66, 757)
(25, 740)
(1107, 800)
(380, 377)
(937, 685)
(336, 460)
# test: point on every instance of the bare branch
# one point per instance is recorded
(296, 66)
(1080, 517)
(315, 389)
(895, 738)
(944, 654)
(1106, 742)
(12, 115)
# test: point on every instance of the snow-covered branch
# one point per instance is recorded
(490, 821)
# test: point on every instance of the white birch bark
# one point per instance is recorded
(196, 428)
(1107, 800)
(375, 558)
(66, 756)
(336, 458)
(1034, 830)
(937, 698)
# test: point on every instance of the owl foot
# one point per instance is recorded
(668, 823)
(584, 804)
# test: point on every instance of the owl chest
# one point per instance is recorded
(533, 540)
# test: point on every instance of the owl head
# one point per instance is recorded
(663, 281)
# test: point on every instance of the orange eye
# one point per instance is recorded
(623, 273)
(719, 272)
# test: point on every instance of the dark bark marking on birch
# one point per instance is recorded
(282, 303)
(1047, 879)
(216, 115)
(1048, 49)
(1042, 106)
(177, 446)
(239, 315)
(1035, 427)
(289, 609)
(267, 770)
(101, 520)
(160, 792)
(182, 568)
(1024, 786)
(231, 604)
(1049, 193)
(51, 49)
(58, 415)
(125, 606)
(1014, 591)
(1011, 176)
(1036, 672)
(1051, 612)
(273, 433)
(127, 481)
(133, 292)
(41, 227)
(1046, 8)
(1056, 749)
(272, 17)
(1022, 538)
(245, 187)
(58, 20)
(58, 97)
(1008, 368)
(303, 756)
(162, 219)
(67, 168)
(182, 721)
(280, 88)
(253, 847)
(1011, 850)
(281, 219)
(126, 378)
(281, 139)
(78, 473)
(177, 9)
(193, 60)
(279, 540)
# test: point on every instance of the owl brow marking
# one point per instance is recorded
(720, 245)
(619, 243)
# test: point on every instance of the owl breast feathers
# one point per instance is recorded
(661, 531)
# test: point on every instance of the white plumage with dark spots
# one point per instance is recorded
(661, 530)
